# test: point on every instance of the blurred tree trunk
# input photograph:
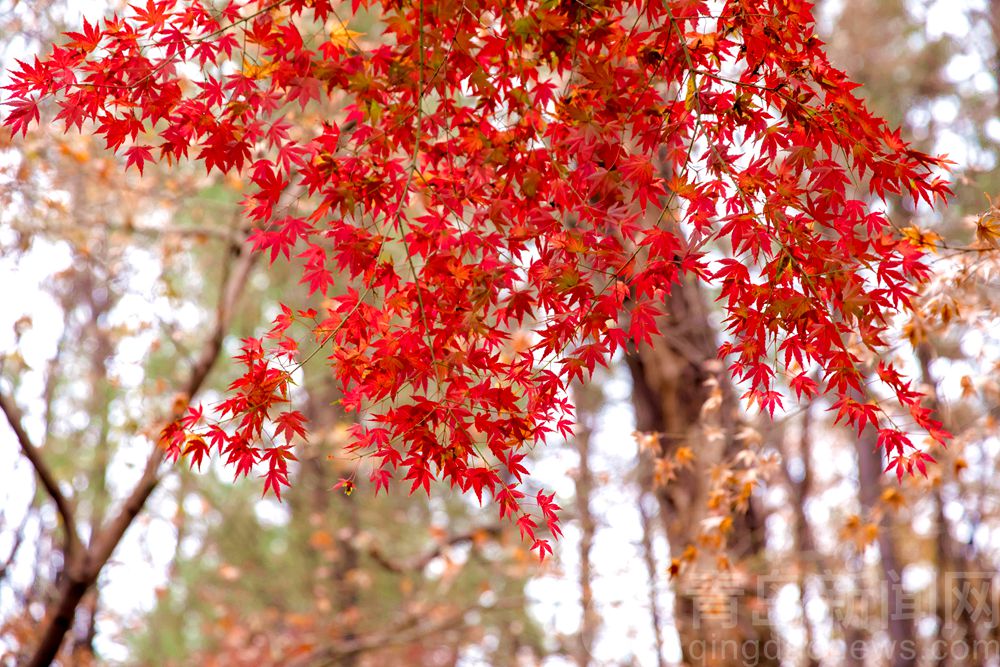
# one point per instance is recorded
(588, 399)
(994, 16)
(334, 569)
(899, 611)
(964, 578)
(807, 559)
(649, 557)
(669, 391)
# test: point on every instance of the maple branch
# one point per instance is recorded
(398, 215)
(204, 38)
(420, 562)
(44, 473)
(83, 569)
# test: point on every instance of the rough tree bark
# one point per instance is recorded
(669, 390)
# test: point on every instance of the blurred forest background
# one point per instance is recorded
(689, 522)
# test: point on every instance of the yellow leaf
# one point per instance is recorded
(80, 156)
(663, 472)
(921, 238)
(648, 442)
(691, 100)
(252, 70)
(915, 331)
(684, 457)
(341, 35)
(699, 40)
(893, 498)
(987, 230)
(855, 530)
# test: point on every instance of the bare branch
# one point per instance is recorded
(151, 231)
(112, 533)
(421, 561)
(82, 572)
(15, 547)
(44, 473)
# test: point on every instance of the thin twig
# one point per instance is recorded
(420, 562)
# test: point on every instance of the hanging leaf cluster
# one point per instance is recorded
(499, 200)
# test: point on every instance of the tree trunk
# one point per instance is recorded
(961, 623)
(898, 612)
(334, 569)
(649, 557)
(588, 399)
(669, 390)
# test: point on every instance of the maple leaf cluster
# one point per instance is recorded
(502, 197)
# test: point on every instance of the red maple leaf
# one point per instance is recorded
(479, 259)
